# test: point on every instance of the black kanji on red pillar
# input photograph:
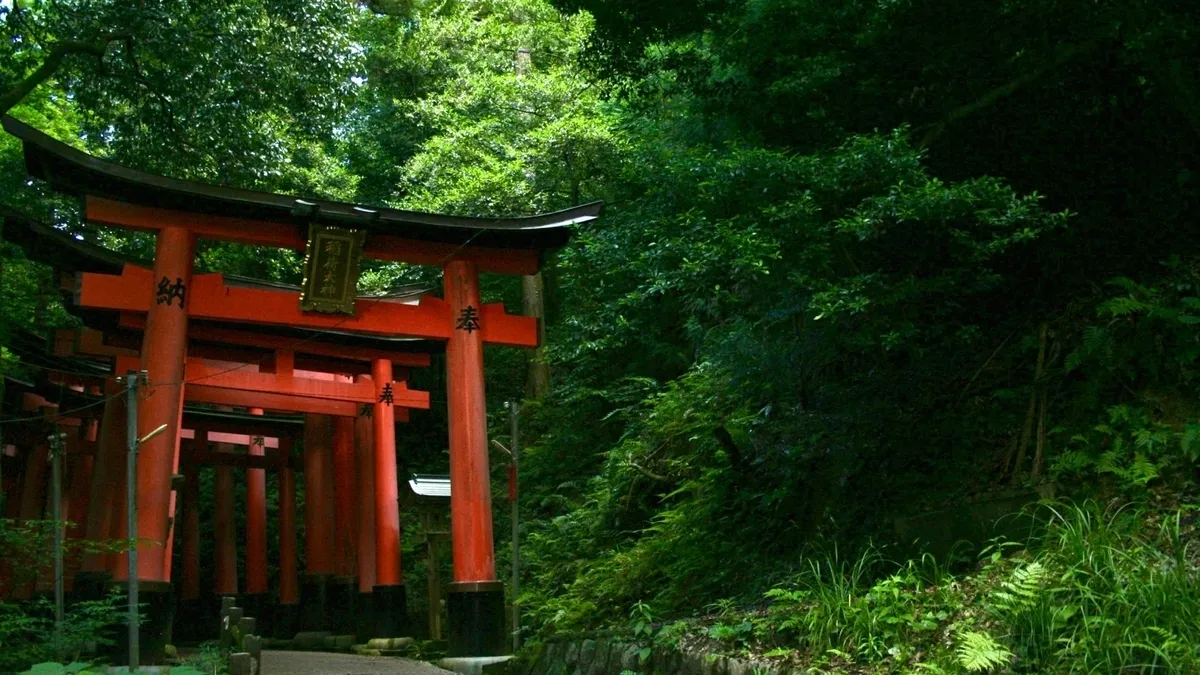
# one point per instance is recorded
(468, 319)
(167, 292)
(386, 395)
(366, 411)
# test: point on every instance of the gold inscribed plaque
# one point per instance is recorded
(331, 262)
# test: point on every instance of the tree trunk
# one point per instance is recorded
(533, 304)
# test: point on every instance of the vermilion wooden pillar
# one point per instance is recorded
(106, 501)
(390, 600)
(346, 488)
(33, 487)
(287, 612)
(343, 593)
(164, 348)
(475, 599)
(169, 549)
(256, 523)
(33, 501)
(318, 520)
(77, 495)
(12, 500)
(189, 586)
(364, 460)
(225, 574)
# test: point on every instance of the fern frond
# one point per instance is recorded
(979, 652)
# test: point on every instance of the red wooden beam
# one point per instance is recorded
(196, 393)
(272, 460)
(222, 377)
(263, 233)
(89, 342)
(233, 336)
(209, 298)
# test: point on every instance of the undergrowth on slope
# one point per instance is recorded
(1097, 590)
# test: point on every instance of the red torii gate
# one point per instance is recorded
(240, 383)
(179, 212)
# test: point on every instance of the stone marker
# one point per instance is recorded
(253, 646)
(247, 625)
(241, 663)
(233, 619)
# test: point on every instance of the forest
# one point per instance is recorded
(862, 263)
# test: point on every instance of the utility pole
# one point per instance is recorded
(131, 443)
(56, 450)
(513, 494)
(132, 381)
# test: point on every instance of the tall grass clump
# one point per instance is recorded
(1094, 590)
(1120, 593)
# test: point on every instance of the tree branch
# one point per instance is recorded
(647, 473)
(50, 66)
(1068, 54)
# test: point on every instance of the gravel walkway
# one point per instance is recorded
(324, 663)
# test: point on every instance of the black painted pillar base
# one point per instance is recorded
(157, 599)
(285, 621)
(343, 592)
(256, 605)
(314, 601)
(390, 610)
(476, 619)
(90, 586)
(364, 625)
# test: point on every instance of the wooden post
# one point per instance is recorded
(387, 508)
(476, 598)
(108, 484)
(256, 520)
(470, 491)
(390, 600)
(164, 348)
(225, 576)
(288, 611)
(288, 571)
(346, 487)
(364, 459)
(190, 574)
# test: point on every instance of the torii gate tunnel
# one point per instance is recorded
(174, 309)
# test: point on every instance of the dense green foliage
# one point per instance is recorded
(859, 260)
(1095, 592)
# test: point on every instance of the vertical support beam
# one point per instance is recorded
(346, 487)
(318, 520)
(79, 493)
(256, 522)
(169, 549)
(189, 589)
(33, 504)
(390, 600)
(476, 598)
(343, 591)
(364, 460)
(105, 506)
(286, 615)
(33, 488)
(164, 350)
(225, 576)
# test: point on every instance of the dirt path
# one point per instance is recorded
(322, 663)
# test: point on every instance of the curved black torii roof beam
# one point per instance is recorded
(76, 172)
